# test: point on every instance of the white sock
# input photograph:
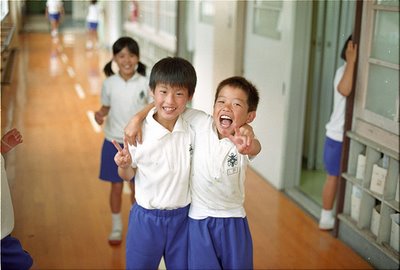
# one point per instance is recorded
(326, 214)
(116, 222)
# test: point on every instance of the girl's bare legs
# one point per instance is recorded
(54, 27)
(92, 39)
(115, 237)
(329, 192)
(328, 198)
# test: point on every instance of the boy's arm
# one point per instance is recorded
(245, 141)
(100, 114)
(133, 130)
(346, 83)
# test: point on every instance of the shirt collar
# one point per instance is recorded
(158, 131)
(133, 78)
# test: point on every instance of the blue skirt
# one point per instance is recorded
(108, 168)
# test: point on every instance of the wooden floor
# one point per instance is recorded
(61, 208)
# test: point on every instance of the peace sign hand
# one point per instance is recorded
(122, 158)
(241, 141)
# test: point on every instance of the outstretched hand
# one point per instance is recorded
(122, 158)
(242, 141)
(11, 139)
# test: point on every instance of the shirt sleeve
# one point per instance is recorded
(196, 118)
(105, 94)
(132, 151)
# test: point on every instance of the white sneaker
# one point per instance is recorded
(54, 33)
(115, 237)
(327, 223)
(89, 45)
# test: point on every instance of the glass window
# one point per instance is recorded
(266, 18)
(385, 40)
(383, 95)
(388, 2)
(167, 17)
(206, 12)
(3, 9)
(379, 65)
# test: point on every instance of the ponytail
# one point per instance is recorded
(108, 69)
(141, 69)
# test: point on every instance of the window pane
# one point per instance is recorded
(206, 12)
(167, 17)
(383, 91)
(385, 40)
(147, 13)
(388, 2)
(266, 23)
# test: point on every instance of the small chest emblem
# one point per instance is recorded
(232, 160)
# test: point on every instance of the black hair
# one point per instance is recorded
(343, 53)
(174, 71)
(93, 2)
(133, 47)
(251, 91)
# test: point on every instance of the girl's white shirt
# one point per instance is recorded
(335, 126)
(93, 13)
(54, 6)
(125, 99)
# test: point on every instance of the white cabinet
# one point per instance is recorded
(370, 201)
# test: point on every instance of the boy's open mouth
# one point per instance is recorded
(225, 121)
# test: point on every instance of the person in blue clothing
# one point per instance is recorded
(92, 20)
(343, 83)
(219, 235)
(13, 256)
(122, 95)
(161, 166)
(54, 12)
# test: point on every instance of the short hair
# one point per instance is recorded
(343, 53)
(174, 71)
(251, 91)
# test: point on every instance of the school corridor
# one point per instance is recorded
(62, 215)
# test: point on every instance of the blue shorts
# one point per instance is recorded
(108, 168)
(156, 233)
(54, 17)
(332, 156)
(220, 243)
(13, 256)
(92, 25)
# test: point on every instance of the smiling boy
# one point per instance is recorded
(161, 166)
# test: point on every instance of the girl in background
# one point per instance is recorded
(54, 12)
(92, 20)
(123, 94)
(343, 83)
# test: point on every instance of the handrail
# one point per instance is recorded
(10, 32)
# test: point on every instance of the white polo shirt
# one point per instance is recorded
(7, 210)
(125, 99)
(54, 6)
(163, 165)
(93, 13)
(334, 128)
(218, 172)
